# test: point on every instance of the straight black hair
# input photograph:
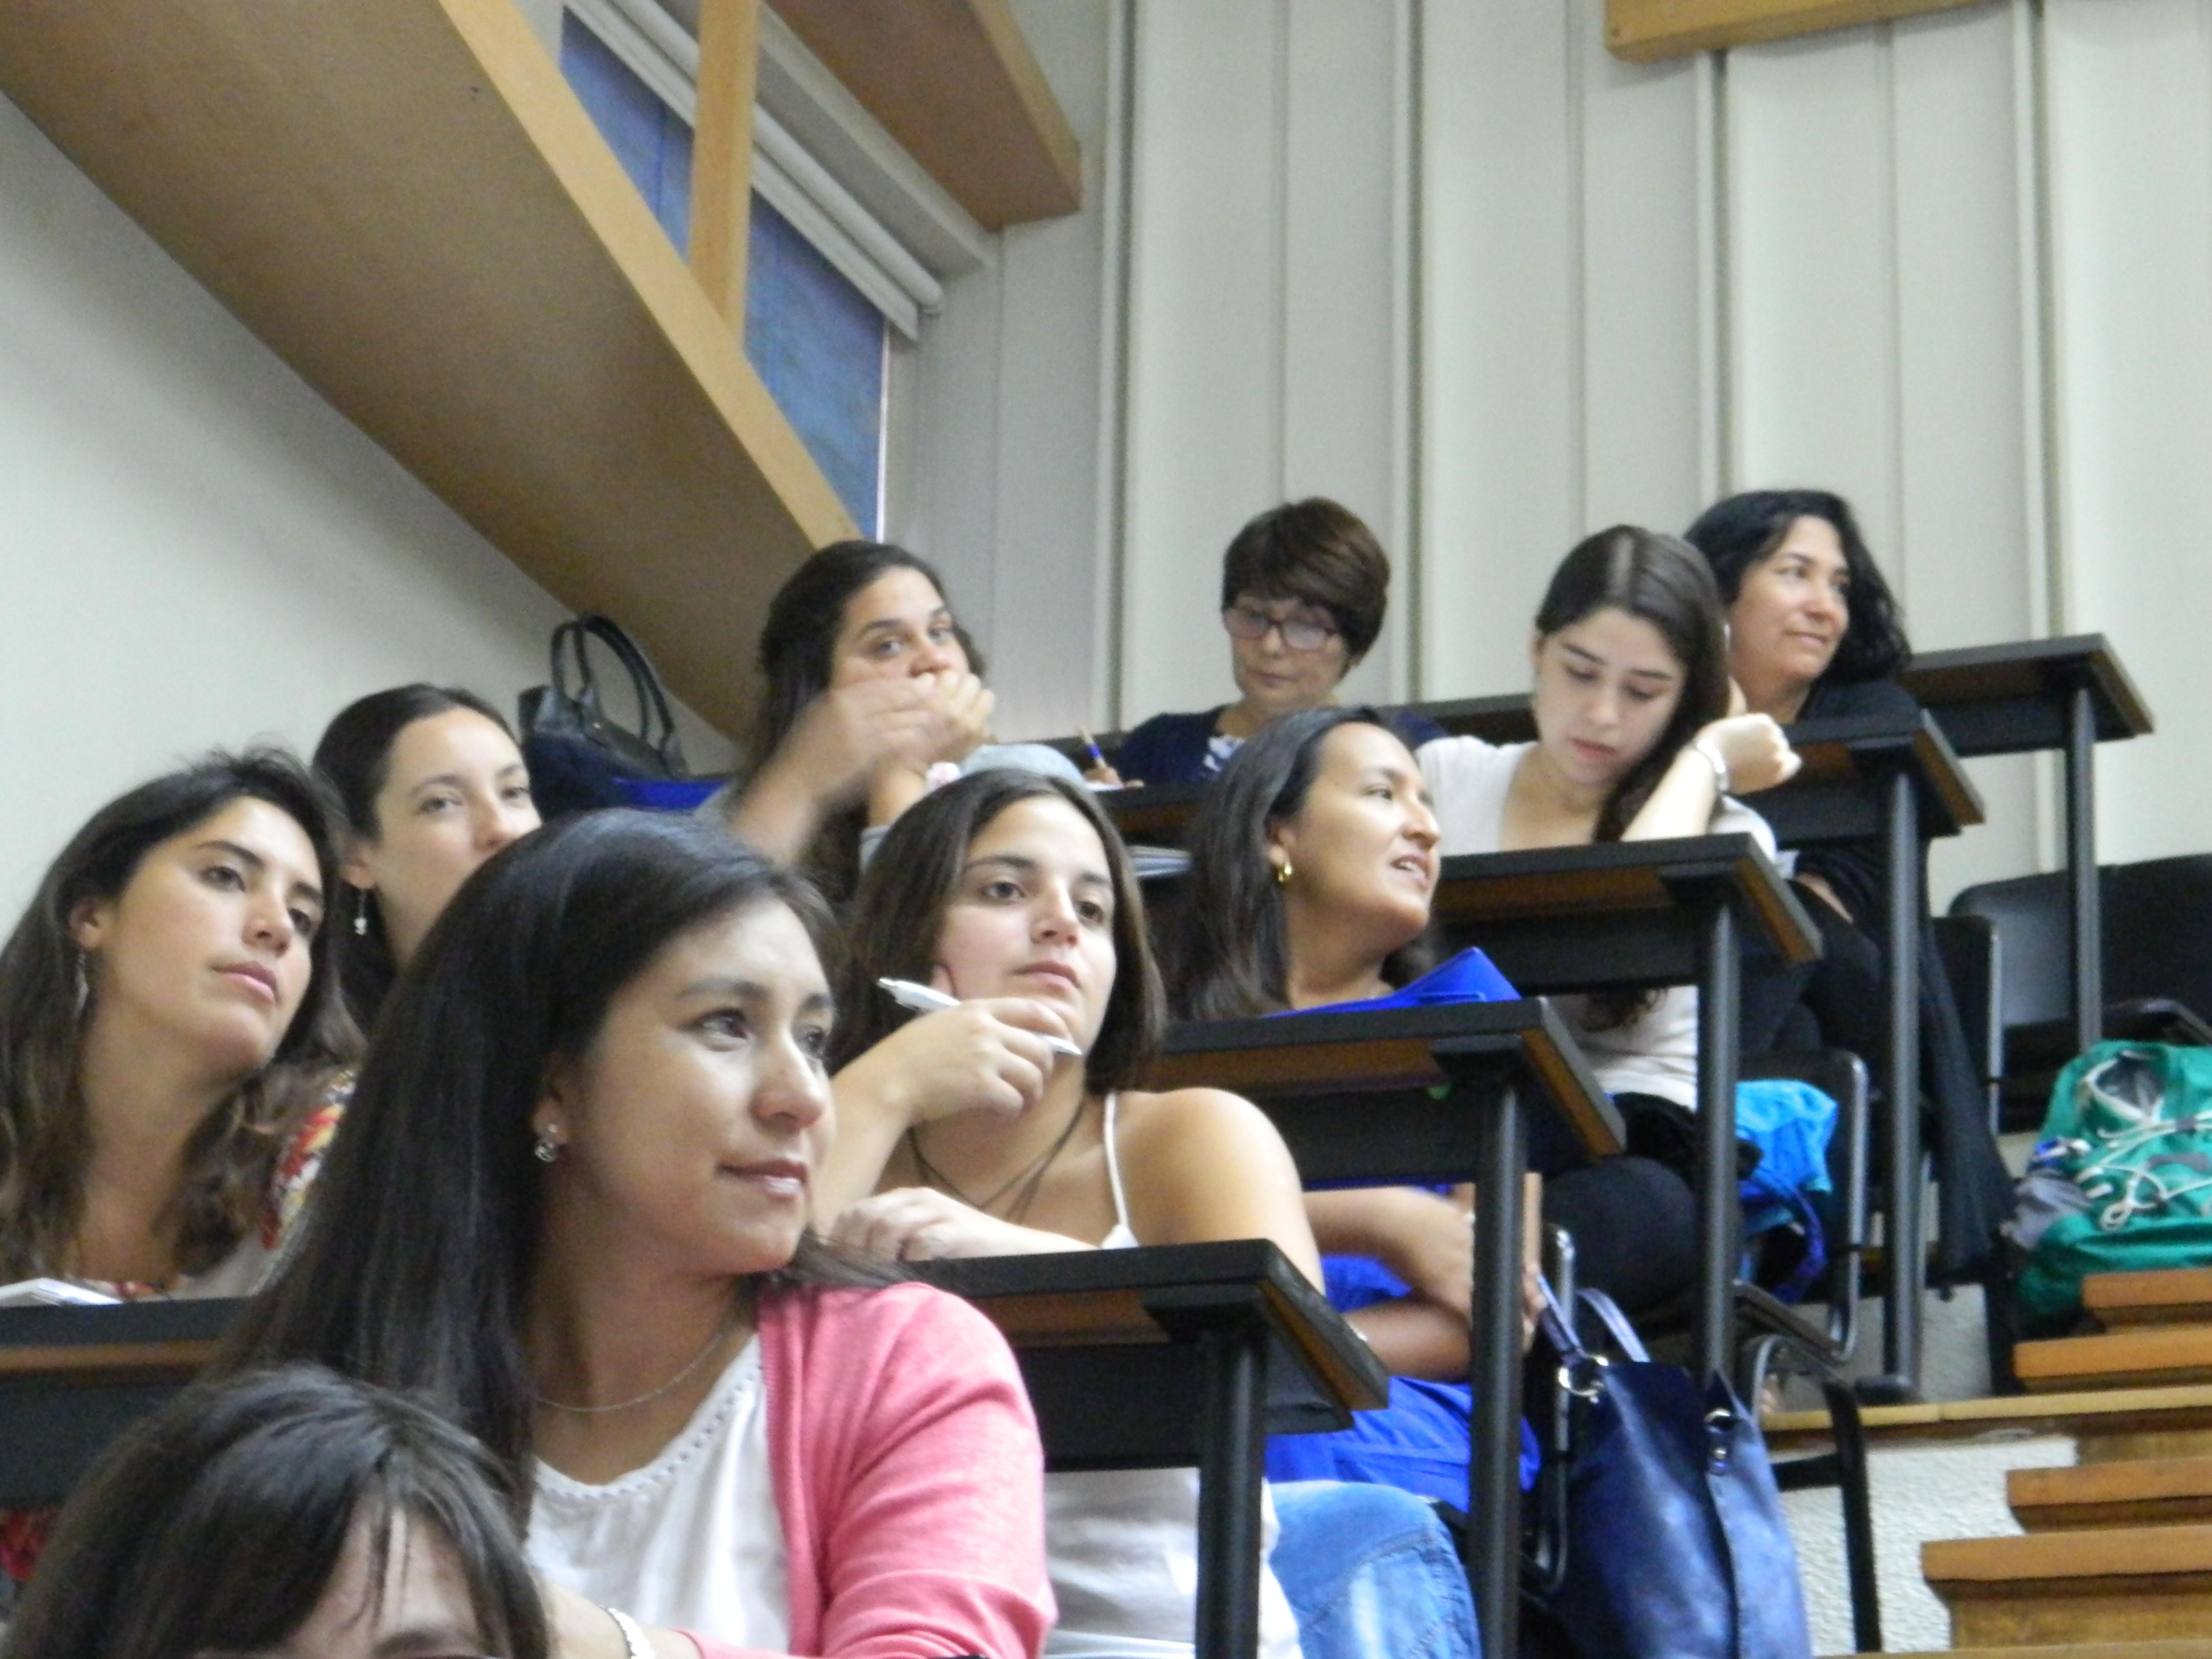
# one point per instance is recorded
(898, 914)
(217, 1524)
(1232, 955)
(44, 1140)
(415, 1260)
(1662, 581)
(354, 759)
(1735, 534)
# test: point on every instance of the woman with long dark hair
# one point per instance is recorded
(1314, 862)
(172, 1046)
(568, 1210)
(1635, 741)
(1009, 888)
(286, 1510)
(1815, 633)
(432, 784)
(869, 683)
(168, 1028)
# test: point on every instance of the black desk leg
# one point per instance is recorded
(1493, 1510)
(1719, 1222)
(1232, 1447)
(2081, 867)
(1903, 1231)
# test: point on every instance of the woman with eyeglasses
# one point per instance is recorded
(1303, 589)
(288, 1514)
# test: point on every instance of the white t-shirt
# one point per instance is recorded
(1656, 1053)
(691, 1541)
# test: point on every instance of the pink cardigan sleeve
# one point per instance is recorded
(911, 1479)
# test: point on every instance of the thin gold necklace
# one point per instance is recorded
(722, 1334)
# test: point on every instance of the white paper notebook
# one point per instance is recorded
(52, 1293)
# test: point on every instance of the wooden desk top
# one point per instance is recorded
(1104, 1339)
(2010, 699)
(1485, 892)
(1315, 1067)
(130, 1342)
(1828, 800)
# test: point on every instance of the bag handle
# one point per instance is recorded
(656, 718)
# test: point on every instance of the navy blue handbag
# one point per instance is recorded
(1676, 1544)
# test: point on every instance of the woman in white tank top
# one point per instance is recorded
(1011, 892)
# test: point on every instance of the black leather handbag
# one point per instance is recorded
(579, 757)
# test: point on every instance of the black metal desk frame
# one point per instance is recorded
(1371, 1114)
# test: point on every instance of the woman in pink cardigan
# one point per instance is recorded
(568, 1209)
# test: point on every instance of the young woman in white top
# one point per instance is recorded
(1013, 890)
(1635, 741)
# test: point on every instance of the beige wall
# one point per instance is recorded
(195, 549)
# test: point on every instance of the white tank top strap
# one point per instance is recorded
(1120, 1238)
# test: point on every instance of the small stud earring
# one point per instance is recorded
(547, 1149)
(1283, 873)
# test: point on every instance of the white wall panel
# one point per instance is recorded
(1501, 442)
(1269, 279)
(1646, 347)
(1203, 443)
(2130, 121)
(1812, 273)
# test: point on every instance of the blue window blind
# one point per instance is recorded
(818, 344)
(650, 139)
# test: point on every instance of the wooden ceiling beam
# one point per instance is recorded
(1643, 31)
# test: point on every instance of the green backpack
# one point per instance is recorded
(2130, 1126)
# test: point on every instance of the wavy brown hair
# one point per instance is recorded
(45, 1137)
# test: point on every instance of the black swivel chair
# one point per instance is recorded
(2157, 967)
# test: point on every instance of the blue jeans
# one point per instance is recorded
(1371, 1574)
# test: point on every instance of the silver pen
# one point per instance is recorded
(928, 999)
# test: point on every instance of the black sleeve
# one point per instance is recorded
(1853, 868)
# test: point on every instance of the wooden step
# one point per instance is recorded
(2186, 1648)
(2148, 1355)
(2169, 1295)
(2119, 1585)
(2142, 1492)
(2097, 1413)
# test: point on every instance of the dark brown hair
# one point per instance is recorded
(44, 1139)
(1664, 583)
(1232, 950)
(1319, 554)
(898, 916)
(218, 1523)
(354, 759)
(798, 644)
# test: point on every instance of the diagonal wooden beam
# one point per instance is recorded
(722, 152)
(1643, 30)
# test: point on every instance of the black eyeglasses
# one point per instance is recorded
(1299, 633)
